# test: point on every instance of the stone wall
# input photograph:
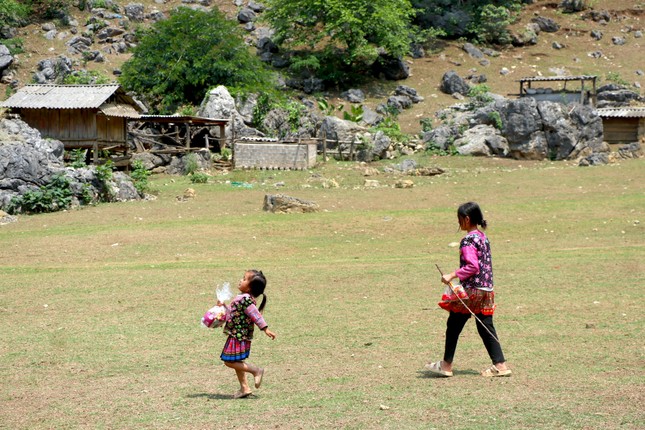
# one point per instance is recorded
(274, 155)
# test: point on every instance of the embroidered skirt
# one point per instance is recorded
(236, 350)
(479, 301)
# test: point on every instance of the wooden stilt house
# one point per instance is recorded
(80, 116)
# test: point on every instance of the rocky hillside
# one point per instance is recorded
(602, 40)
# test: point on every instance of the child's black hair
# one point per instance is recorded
(472, 211)
(258, 283)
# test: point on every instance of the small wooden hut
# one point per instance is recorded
(624, 124)
(80, 116)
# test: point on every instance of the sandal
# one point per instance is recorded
(258, 378)
(436, 369)
(493, 371)
(242, 394)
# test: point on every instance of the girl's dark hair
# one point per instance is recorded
(472, 211)
(258, 284)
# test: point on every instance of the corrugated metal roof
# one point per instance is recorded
(120, 110)
(557, 78)
(64, 96)
(622, 112)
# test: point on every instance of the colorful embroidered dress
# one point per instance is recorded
(476, 275)
(241, 316)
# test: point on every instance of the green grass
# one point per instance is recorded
(100, 307)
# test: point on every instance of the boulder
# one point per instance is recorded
(353, 95)
(411, 93)
(370, 118)
(524, 37)
(280, 203)
(452, 83)
(134, 11)
(482, 140)
(219, 103)
(5, 57)
(246, 15)
(473, 51)
(334, 128)
(572, 6)
(546, 24)
(392, 68)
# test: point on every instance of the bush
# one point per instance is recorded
(13, 13)
(199, 178)
(140, 176)
(77, 158)
(85, 77)
(178, 59)
(54, 196)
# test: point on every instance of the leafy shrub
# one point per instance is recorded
(85, 77)
(140, 176)
(355, 113)
(493, 23)
(497, 119)
(104, 176)
(15, 45)
(338, 41)
(479, 95)
(198, 178)
(77, 158)
(426, 124)
(191, 164)
(178, 59)
(54, 196)
(13, 13)
(616, 78)
(391, 128)
(187, 110)
(433, 149)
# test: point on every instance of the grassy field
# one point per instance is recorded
(100, 307)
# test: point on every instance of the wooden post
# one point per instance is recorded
(95, 150)
(351, 151)
(221, 142)
(324, 145)
(187, 138)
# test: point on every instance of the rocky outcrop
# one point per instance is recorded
(29, 163)
(521, 129)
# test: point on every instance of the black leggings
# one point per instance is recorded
(457, 321)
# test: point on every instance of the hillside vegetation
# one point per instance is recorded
(617, 63)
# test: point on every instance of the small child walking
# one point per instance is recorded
(476, 275)
(242, 314)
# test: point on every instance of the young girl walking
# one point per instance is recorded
(242, 314)
(476, 275)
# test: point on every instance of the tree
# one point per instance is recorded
(178, 59)
(342, 32)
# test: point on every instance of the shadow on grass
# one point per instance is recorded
(424, 374)
(212, 396)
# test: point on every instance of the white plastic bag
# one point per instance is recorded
(216, 316)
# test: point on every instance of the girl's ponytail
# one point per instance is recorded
(472, 211)
(258, 284)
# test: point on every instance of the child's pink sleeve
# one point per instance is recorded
(469, 254)
(252, 312)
